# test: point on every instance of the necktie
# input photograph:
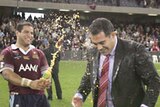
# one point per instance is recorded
(103, 83)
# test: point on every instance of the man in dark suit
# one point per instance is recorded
(131, 79)
(48, 52)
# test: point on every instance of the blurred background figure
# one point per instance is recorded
(49, 50)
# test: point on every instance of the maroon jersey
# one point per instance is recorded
(28, 64)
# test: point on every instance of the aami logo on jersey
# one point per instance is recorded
(28, 67)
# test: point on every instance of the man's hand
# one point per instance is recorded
(40, 84)
(47, 83)
(77, 102)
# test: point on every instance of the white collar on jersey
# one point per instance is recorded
(13, 46)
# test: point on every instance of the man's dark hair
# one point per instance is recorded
(22, 24)
(101, 24)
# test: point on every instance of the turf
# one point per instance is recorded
(70, 76)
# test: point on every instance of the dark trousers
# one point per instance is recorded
(55, 77)
(28, 100)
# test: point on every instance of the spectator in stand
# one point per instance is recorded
(1, 33)
(52, 24)
(155, 47)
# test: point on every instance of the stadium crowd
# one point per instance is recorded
(55, 25)
(129, 3)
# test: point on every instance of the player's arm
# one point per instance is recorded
(15, 79)
(11, 77)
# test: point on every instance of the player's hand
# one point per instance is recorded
(39, 84)
(46, 83)
(77, 102)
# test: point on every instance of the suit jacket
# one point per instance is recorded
(133, 70)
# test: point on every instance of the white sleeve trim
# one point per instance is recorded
(79, 95)
(44, 69)
(143, 105)
(6, 68)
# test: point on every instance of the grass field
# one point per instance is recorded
(70, 76)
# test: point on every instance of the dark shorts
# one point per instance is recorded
(28, 100)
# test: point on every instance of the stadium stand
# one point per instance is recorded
(74, 24)
(128, 3)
